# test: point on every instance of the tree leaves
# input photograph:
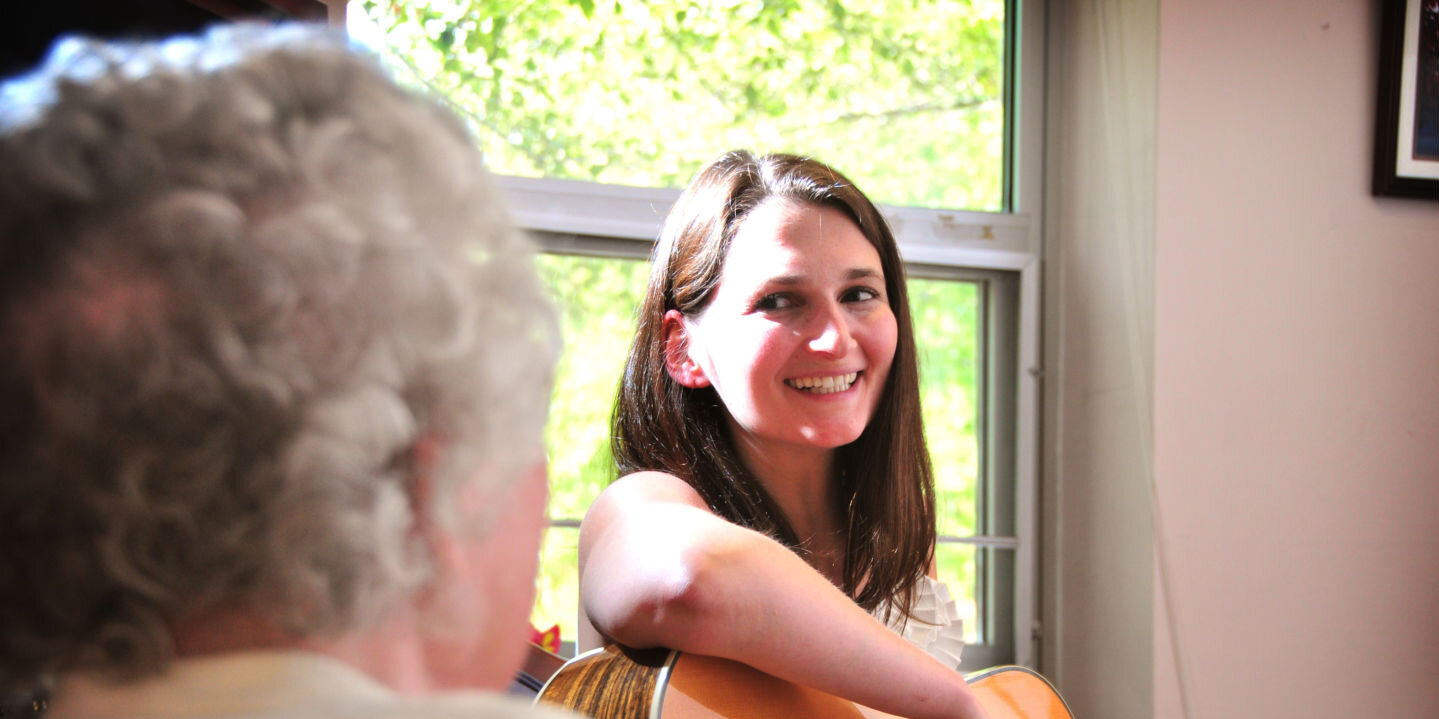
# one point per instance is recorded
(644, 93)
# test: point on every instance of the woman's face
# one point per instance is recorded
(798, 337)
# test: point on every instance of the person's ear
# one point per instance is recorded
(679, 362)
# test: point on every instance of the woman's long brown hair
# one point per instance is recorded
(884, 487)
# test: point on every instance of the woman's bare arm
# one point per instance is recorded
(657, 568)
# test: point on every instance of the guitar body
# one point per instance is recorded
(620, 683)
(1014, 692)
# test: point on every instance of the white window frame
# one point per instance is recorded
(577, 216)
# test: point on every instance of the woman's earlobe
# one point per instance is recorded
(680, 365)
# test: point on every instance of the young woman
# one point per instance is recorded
(776, 497)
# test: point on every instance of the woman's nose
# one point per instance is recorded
(831, 335)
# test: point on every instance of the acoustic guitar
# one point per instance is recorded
(621, 683)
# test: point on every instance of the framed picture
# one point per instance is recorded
(1406, 132)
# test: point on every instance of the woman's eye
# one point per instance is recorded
(777, 301)
(861, 294)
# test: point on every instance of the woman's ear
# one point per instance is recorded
(678, 362)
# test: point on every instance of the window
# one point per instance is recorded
(594, 113)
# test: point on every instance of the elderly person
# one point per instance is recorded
(275, 368)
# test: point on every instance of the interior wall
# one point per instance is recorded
(1097, 577)
(1296, 374)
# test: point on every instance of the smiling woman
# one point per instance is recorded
(658, 425)
(598, 298)
(758, 520)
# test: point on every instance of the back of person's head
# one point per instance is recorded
(245, 277)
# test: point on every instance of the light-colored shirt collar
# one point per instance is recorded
(266, 684)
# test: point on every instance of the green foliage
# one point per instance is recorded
(597, 299)
(905, 96)
(947, 330)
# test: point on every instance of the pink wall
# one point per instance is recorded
(1296, 357)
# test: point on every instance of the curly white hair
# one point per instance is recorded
(244, 274)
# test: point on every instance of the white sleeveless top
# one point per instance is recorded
(935, 627)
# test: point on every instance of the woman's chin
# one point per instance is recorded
(830, 437)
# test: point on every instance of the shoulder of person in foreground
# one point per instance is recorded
(453, 705)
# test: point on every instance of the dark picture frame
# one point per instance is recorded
(1406, 133)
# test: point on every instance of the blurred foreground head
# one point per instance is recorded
(272, 359)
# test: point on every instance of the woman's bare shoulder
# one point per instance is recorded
(649, 486)
(641, 504)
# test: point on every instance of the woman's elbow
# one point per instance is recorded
(677, 602)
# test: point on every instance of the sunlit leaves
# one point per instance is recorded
(947, 330)
(596, 298)
(905, 96)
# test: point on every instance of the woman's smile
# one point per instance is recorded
(823, 385)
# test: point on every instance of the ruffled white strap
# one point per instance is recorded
(935, 625)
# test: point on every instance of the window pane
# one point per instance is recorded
(596, 297)
(947, 331)
(904, 96)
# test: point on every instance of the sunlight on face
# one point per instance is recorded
(799, 336)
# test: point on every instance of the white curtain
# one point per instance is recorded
(1105, 586)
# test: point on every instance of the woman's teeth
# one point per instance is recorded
(823, 385)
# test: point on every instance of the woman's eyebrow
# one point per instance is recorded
(855, 273)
